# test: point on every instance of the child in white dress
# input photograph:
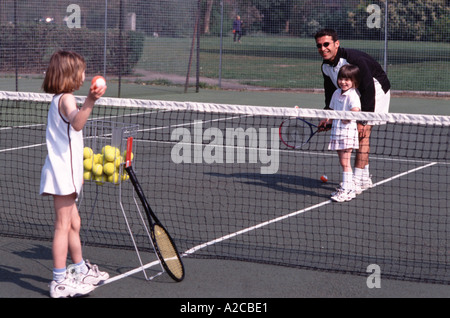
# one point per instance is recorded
(62, 173)
(344, 133)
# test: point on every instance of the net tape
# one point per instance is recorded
(415, 119)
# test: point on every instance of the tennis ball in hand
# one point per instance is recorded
(87, 153)
(97, 170)
(109, 168)
(98, 81)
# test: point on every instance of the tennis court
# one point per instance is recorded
(250, 216)
(27, 264)
(281, 223)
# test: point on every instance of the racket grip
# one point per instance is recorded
(129, 151)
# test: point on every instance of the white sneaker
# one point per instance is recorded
(343, 195)
(337, 190)
(69, 287)
(363, 184)
(357, 188)
(94, 276)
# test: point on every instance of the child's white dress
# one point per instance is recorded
(62, 173)
(344, 136)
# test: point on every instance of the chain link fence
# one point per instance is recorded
(169, 41)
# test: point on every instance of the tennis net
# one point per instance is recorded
(224, 185)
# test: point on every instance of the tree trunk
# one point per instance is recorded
(209, 5)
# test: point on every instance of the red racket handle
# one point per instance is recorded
(129, 151)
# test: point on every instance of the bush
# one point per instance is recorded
(37, 42)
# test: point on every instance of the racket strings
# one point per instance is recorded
(168, 251)
(295, 132)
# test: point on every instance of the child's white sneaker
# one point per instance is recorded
(69, 287)
(94, 276)
(363, 184)
(343, 195)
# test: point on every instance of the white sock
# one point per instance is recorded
(366, 172)
(359, 173)
(81, 267)
(59, 274)
(347, 180)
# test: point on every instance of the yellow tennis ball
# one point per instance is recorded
(110, 154)
(87, 153)
(88, 163)
(99, 179)
(98, 158)
(97, 170)
(105, 148)
(125, 176)
(109, 168)
(124, 155)
(114, 178)
(87, 175)
(118, 161)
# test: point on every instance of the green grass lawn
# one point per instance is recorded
(283, 62)
(287, 62)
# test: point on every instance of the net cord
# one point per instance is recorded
(416, 119)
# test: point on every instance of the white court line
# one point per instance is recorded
(22, 126)
(23, 147)
(317, 153)
(257, 226)
(192, 123)
(127, 115)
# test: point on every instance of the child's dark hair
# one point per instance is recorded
(351, 72)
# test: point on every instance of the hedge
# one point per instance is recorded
(36, 43)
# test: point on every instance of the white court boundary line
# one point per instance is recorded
(120, 116)
(257, 226)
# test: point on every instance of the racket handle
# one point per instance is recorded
(129, 151)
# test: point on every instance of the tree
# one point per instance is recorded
(408, 20)
(275, 14)
(207, 18)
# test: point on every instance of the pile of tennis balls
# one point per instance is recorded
(105, 166)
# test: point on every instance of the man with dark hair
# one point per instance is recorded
(374, 89)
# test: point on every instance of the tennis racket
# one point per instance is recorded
(296, 132)
(164, 245)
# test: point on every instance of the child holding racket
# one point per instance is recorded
(62, 173)
(344, 133)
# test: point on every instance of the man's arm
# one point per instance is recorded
(367, 66)
(329, 90)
